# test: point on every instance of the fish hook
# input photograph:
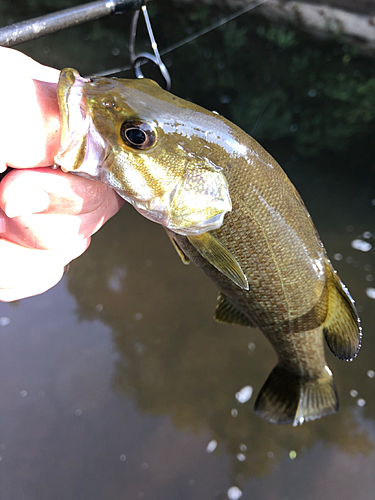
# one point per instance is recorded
(137, 59)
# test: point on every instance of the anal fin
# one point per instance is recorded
(227, 312)
(216, 254)
(341, 327)
(288, 398)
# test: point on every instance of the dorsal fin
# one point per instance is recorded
(342, 328)
(226, 312)
(185, 259)
(216, 254)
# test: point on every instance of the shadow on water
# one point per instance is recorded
(133, 391)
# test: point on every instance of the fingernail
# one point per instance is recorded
(31, 201)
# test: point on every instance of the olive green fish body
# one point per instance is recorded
(230, 209)
(292, 287)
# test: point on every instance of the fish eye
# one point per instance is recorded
(138, 135)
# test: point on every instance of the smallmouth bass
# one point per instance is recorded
(229, 208)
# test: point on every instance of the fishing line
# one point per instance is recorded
(137, 59)
(265, 104)
(204, 31)
(188, 39)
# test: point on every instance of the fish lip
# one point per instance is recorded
(83, 150)
(73, 109)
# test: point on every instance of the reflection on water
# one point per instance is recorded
(118, 383)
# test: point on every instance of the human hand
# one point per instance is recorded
(46, 216)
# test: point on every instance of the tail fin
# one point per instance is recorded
(342, 328)
(287, 398)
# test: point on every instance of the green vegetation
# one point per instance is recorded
(278, 84)
(273, 81)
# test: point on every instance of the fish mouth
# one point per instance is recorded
(83, 150)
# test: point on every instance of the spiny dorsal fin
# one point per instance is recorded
(226, 312)
(183, 257)
(342, 328)
(289, 398)
(216, 254)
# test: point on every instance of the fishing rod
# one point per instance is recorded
(60, 20)
(40, 26)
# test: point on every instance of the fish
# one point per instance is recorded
(229, 208)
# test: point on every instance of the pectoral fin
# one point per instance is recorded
(342, 328)
(226, 312)
(216, 254)
(185, 259)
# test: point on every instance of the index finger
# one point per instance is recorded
(30, 116)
